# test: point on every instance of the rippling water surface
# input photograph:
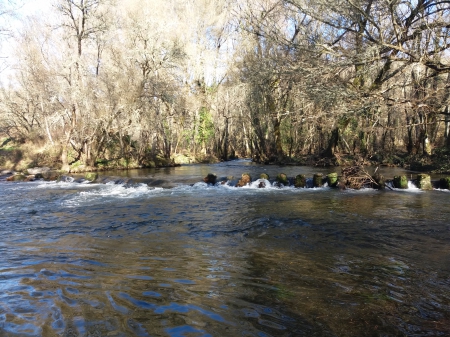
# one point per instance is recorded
(168, 256)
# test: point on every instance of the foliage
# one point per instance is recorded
(205, 127)
(110, 83)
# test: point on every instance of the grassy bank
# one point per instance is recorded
(16, 156)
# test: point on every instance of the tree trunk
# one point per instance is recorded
(332, 143)
(278, 143)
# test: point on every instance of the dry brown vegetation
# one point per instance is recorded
(125, 83)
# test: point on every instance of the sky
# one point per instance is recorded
(34, 6)
(11, 23)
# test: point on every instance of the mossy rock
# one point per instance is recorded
(300, 181)
(318, 180)
(332, 179)
(50, 175)
(379, 181)
(424, 182)
(445, 183)
(17, 177)
(91, 176)
(401, 182)
(210, 179)
(245, 179)
(264, 176)
(282, 179)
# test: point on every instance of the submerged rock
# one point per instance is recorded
(400, 182)
(245, 180)
(50, 175)
(65, 179)
(300, 181)
(91, 176)
(210, 179)
(424, 182)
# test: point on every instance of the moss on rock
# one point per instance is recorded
(332, 179)
(300, 181)
(318, 180)
(424, 182)
(17, 177)
(282, 179)
(445, 183)
(264, 176)
(401, 182)
(91, 176)
(379, 181)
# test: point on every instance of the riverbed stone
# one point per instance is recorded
(210, 179)
(300, 181)
(445, 183)
(17, 177)
(91, 176)
(51, 175)
(69, 179)
(424, 182)
(282, 179)
(332, 179)
(380, 181)
(318, 180)
(264, 176)
(245, 179)
(400, 182)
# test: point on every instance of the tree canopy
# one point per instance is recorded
(126, 82)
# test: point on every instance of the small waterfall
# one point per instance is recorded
(412, 186)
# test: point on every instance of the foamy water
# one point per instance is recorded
(177, 257)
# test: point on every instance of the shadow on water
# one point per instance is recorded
(117, 260)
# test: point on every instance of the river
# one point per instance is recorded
(168, 255)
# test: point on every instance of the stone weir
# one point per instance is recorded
(351, 178)
(354, 177)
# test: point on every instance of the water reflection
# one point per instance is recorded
(102, 260)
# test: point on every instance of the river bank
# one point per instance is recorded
(21, 157)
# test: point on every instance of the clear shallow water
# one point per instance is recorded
(171, 259)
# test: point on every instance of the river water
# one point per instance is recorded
(168, 255)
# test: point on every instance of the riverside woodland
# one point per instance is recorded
(97, 85)
(225, 168)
